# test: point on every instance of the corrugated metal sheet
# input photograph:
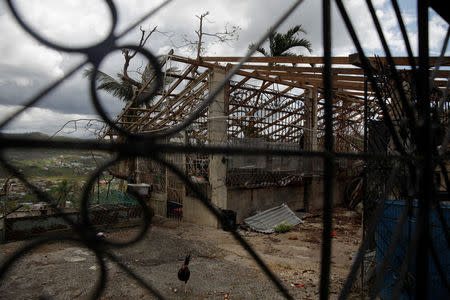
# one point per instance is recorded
(265, 221)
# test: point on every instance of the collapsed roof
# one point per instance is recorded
(265, 98)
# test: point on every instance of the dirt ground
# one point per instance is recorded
(220, 267)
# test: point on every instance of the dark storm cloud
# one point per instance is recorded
(26, 66)
(72, 96)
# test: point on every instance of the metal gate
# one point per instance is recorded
(415, 156)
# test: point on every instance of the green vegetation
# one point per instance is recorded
(59, 172)
(62, 193)
(281, 44)
(283, 227)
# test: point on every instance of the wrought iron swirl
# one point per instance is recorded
(142, 145)
(151, 145)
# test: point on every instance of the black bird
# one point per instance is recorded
(183, 272)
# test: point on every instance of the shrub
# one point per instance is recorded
(283, 227)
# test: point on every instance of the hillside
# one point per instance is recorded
(35, 154)
(46, 168)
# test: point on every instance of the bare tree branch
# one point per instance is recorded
(128, 57)
(198, 45)
(88, 127)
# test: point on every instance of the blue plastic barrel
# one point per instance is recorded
(385, 229)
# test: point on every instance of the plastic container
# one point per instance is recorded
(230, 220)
(385, 229)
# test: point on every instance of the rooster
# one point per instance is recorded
(184, 273)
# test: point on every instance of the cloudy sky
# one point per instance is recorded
(27, 66)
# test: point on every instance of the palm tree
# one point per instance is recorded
(280, 44)
(121, 89)
(126, 88)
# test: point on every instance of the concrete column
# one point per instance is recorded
(311, 188)
(217, 135)
(137, 179)
(310, 130)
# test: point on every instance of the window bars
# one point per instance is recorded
(416, 158)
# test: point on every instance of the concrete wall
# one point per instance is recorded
(25, 227)
(247, 201)
(195, 212)
(316, 193)
(28, 226)
(158, 202)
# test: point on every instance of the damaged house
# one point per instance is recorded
(272, 107)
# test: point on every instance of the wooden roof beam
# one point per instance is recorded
(287, 134)
(303, 70)
(284, 126)
(182, 105)
(125, 109)
(302, 76)
(279, 120)
(268, 92)
(343, 126)
(267, 110)
(238, 121)
(318, 70)
(339, 60)
(272, 99)
(171, 108)
(238, 85)
(188, 88)
(278, 80)
(400, 61)
(282, 107)
(277, 59)
(161, 100)
(337, 84)
(264, 86)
